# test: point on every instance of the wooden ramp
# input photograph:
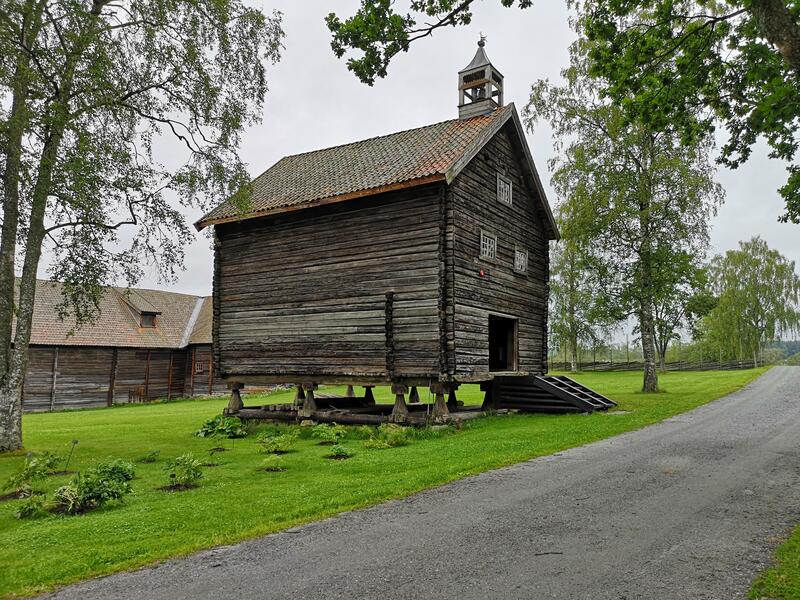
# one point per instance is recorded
(547, 394)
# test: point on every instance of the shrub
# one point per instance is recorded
(150, 457)
(339, 452)
(329, 434)
(89, 491)
(32, 508)
(278, 444)
(50, 461)
(388, 435)
(222, 427)
(272, 463)
(21, 482)
(121, 470)
(184, 471)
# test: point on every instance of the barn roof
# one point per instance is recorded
(400, 160)
(182, 319)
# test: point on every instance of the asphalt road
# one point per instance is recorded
(688, 509)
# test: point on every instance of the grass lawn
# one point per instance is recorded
(781, 582)
(237, 501)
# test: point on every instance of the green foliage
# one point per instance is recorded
(663, 59)
(150, 457)
(329, 433)
(31, 471)
(185, 471)
(794, 360)
(91, 490)
(758, 294)
(272, 463)
(388, 435)
(222, 427)
(32, 508)
(278, 444)
(118, 469)
(339, 452)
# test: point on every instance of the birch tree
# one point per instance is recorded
(87, 89)
(635, 198)
(758, 299)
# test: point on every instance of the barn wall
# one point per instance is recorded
(199, 373)
(304, 293)
(473, 204)
(85, 375)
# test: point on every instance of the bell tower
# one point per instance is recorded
(480, 86)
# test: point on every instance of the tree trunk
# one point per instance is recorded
(573, 367)
(650, 383)
(10, 417)
(778, 26)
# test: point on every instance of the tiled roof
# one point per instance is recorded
(183, 319)
(362, 168)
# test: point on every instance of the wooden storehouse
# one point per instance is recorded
(145, 344)
(418, 258)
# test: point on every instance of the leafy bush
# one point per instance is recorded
(388, 435)
(150, 457)
(329, 433)
(21, 482)
(222, 427)
(278, 444)
(339, 452)
(32, 508)
(272, 463)
(184, 471)
(118, 469)
(89, 491)
(50, 461)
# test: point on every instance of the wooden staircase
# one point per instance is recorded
(547, 394)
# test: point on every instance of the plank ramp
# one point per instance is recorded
(548, 394)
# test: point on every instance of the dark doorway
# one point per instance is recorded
(502, 344)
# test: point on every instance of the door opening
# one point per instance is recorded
(502, 344)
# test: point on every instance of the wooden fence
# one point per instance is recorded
(639, 366)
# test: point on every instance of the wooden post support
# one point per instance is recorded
(299, 397)
(400, 410)
(350, 393)
(440, 411)
(309, 405)
(488, 398)
(112, 380)
(452, 401)
(413, 397)
(235, 405)
(54, 379)
(368, 397)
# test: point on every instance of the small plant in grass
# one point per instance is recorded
(184, 472)
(329, 434)
(89, 491)
(222, 427)
(149, 458)
(272, 463)
(50, 460)
(278, 444)
(32, 508)
(118, 469)
(20, 484)
(339, 452)
(388, 435)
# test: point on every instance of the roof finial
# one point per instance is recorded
(482, 41)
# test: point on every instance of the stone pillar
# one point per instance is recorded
(400, 410)
(235, 404)
(309, 405)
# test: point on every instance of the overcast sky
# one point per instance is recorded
(315, 102)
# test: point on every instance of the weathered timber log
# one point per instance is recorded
(235, 404)
(400, 410)
(309, 404)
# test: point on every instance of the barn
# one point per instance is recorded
(144, 345)
(418, 258)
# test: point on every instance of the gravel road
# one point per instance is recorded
(690, 508)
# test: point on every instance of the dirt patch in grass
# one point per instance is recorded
(178, 488)
(333, 457)
(12, 496)
(271, 470)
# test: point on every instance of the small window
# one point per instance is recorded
(504, 189)
(488, 246)
(148, 320)
(520, 260)
(199, 367)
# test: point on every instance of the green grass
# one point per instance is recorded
(782, 581)
(237, 501)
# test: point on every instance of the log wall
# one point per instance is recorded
(473, 205)
(64, 377)
(304, 294)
